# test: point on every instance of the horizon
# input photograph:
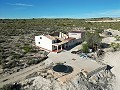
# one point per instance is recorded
(74, 9)
(63, 18)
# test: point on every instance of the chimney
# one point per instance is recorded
(60, 35)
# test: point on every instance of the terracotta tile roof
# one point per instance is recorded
(77, 31)
(64, 41)
(51, 37)
(69, 39)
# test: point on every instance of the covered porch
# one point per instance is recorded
(57, 48)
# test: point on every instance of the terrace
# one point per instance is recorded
(85, 65)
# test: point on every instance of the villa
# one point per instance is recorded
(58, 41)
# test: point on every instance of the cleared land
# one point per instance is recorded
(113, 59)
(20, 75)
(78, 64)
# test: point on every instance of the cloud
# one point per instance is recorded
(108, 13)
(111, 12)
(21, 4)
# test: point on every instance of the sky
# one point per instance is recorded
(59, 8)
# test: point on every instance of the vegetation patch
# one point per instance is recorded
(85, 48)
(115, 46)
(15, 86)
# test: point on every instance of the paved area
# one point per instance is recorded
(78, 63)
(74, 60)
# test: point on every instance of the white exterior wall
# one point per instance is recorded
(75, 35)
(45, 42)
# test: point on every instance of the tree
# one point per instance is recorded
(93, 40)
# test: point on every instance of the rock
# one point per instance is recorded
(99, 81)
(1, 71)
(50, 71)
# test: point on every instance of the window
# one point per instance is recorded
(73, 34)
(38, 42)
(40, 37)
(54, 41)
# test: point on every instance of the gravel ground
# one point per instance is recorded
(113, 59)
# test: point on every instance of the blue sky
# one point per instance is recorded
(59, 8)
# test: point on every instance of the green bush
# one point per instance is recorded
(85, 48)
(93, 40)
(27, 48)
(115, 46)
(117, 38)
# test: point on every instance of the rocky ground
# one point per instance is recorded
(17, 53)
(113, 59)
(100, 81)
(26, 55)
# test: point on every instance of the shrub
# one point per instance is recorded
(11, 87)
(36, 61)
(117, 38)
(27, 48)
(93, 40)
(34, 51)
(104, 45)
(85, 48)
(16, 56)
(30, 62)
(10, 64)
(115, 46)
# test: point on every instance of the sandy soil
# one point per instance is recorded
(20, 75)
(108, 40)
(113, 59)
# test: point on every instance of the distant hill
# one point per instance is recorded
(102, 18)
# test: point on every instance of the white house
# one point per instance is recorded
(44, 42)
(78, 35)
(57, 41)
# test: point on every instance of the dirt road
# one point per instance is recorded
(20, 75)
